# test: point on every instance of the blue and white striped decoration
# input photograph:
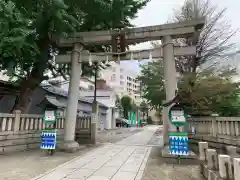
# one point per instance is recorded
(48, 139)
(178, 145)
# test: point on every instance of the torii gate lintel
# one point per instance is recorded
(164, 32)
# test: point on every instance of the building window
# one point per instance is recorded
(121, 83)
(113, 77)
(90, 87)
(121, 77)
(121, 69)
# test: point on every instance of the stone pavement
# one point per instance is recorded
(124, 160)
(29, 164)
(142, 138)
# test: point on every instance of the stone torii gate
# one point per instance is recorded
(164, 32)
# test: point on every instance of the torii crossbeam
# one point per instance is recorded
(164, 32)
(129, 55)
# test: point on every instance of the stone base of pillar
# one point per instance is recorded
(69, 146)
(191, 158)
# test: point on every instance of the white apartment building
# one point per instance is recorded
(123, 80)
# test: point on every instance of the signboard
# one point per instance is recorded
(177, 115)
(94, 118)
(118, 43)
(48, 139)
(178, 143)
(49, 116)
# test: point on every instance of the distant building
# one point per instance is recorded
(122, 80)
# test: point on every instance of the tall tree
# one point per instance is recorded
(152, 83)
(126, 103)
(29, 27)
(211, 91)
(213, 42)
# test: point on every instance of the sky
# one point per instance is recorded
(159, 11)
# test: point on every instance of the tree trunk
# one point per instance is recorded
(125, 113)
(33, 80)
(24, 99)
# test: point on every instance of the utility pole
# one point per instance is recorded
(95, 84)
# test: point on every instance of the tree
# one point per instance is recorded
(212, 91)
(144, 106)
(213, 42)
(144, 109)
(29, 29)
(152, 83)
(126, 103)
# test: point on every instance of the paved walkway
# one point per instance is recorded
(125, 160)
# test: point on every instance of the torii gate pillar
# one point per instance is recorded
(170, 82)
(69, 144)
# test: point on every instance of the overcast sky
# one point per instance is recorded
(159, 11)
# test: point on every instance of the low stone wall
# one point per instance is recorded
(22, 140)
(218, 143)
(19, 132)
(219, 166)
(217, 131)
(215, 126)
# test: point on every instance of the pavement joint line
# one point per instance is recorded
(101, 150)
(121, 166)
(96, 169)
(64, 164)
(145, 156)
(107, 161)
(75, 169)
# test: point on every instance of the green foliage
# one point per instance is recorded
(152, 83)
(206, 92)
(29, 29)
(32, 22)
(17, 45)
(126, 103)
(210, 92)
(144, 107)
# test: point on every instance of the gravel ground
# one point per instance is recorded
(156, 169)
(29, 164)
